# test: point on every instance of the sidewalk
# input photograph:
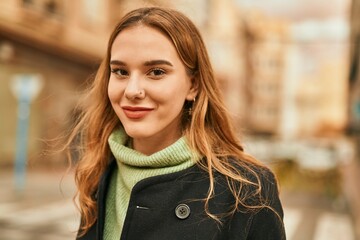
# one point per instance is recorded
(314, 217)
(43, 210)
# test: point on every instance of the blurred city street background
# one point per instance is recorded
(288, 69)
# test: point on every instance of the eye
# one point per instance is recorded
(120, 72)
(157, 72)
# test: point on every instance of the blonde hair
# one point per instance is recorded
(208, 131)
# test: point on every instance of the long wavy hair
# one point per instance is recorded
(208, 131)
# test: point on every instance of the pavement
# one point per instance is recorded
(315, 217)
(44, 210)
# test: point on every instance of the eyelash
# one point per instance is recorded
(121, 72)
(118, 70)
(152, 71)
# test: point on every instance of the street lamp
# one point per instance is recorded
(25, 88)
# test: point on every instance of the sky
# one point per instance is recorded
(299, 10)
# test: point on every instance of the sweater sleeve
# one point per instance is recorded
(267, 223)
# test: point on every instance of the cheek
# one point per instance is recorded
(110, 89)
(114, 91)
(173, 104)
(173, 97)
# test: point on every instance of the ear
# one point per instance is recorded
(193, 91)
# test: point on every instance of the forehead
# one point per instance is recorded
(142, 40)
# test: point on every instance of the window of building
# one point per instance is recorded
(27, 3)
(51, 7)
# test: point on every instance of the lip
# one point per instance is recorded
(133, 112)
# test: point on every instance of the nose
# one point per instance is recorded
(133, 89)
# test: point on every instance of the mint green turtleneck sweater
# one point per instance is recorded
(134, 166)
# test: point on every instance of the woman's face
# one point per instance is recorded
(148, 86)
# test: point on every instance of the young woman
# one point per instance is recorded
(159, 157)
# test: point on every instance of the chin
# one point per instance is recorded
(137, 132)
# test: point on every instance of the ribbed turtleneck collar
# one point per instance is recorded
(135, 166)
(173, 155)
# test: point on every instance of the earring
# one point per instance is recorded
(190, 108)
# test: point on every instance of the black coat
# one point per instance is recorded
(171, 207)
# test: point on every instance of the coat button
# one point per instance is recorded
(182, 211)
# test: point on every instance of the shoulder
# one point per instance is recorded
(263, 177)
(253, 175)
(252, 185)
(261, 200)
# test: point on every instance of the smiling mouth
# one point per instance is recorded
(136, 112)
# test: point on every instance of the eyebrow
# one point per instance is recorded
(117, 62)
(158, 62)
(147, 63)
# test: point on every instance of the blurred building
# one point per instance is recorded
(266, 40)
(354, 78)
(317, 70)
(224, 36)
(296, 82)
(62, 41)
(352, 174)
